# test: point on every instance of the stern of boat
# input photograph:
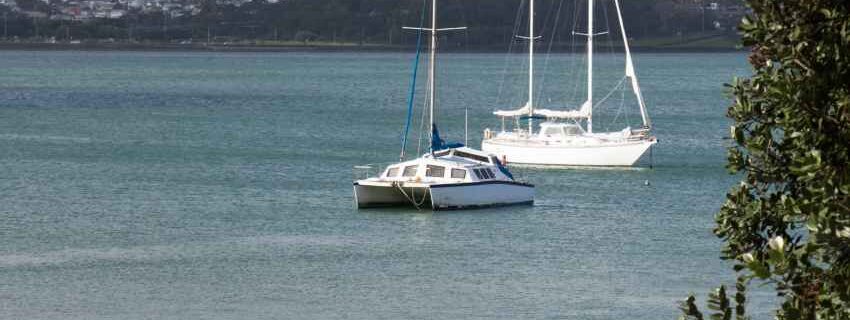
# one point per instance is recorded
(376, 194)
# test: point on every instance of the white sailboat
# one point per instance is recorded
(449, 176)
(562, 140)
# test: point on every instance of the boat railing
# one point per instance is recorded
(641, 132)
(365, 171)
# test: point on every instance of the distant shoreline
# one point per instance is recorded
(317, 47)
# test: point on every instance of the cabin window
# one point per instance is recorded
(470, 156)
(553, 131)
(489, 173)
(478, 174)
(458, 174)
(392, 172)
(409, 171)
(484, 174)
(435, 171)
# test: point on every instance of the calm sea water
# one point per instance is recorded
(218, 186)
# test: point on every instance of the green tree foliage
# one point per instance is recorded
(788, 222)
(719, 303)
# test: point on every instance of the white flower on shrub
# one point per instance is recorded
(777, 243)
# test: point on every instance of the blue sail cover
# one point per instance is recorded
(438, 144)
(505, 170)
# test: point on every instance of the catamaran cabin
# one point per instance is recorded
(453, 165)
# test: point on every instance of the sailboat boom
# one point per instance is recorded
(594, 35)
(434, 30)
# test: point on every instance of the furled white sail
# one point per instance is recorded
(525, 110)
(582, 113)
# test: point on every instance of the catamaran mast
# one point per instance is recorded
(432, 88)
(432, 66)
(590, 65)
(530, 67)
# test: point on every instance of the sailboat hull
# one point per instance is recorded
(625, 153)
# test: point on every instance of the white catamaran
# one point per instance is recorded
(562, 140)
(449, 176)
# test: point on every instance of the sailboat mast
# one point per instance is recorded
(432, 66)
(590, 65)
(531, 67)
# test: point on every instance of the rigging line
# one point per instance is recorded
(608, 28)
(422, 119)
(546, 20)
(622, 107)
(412, 94)
(622, 80)
(514, 32)
(574, 61)
(610, 42)
(517, 99)
(549, 50)
(543, 35)
(466, 40)
(523, 66)
(620, 86)
(625, 111)
(465, 30)
(422, 124)
(623, 91)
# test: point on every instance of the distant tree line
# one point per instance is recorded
(368, 21)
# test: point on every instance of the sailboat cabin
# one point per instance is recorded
(557, 130)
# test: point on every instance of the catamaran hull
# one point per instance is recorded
(388, 195)
(445, 196)
(625, 154)
(480, 194)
